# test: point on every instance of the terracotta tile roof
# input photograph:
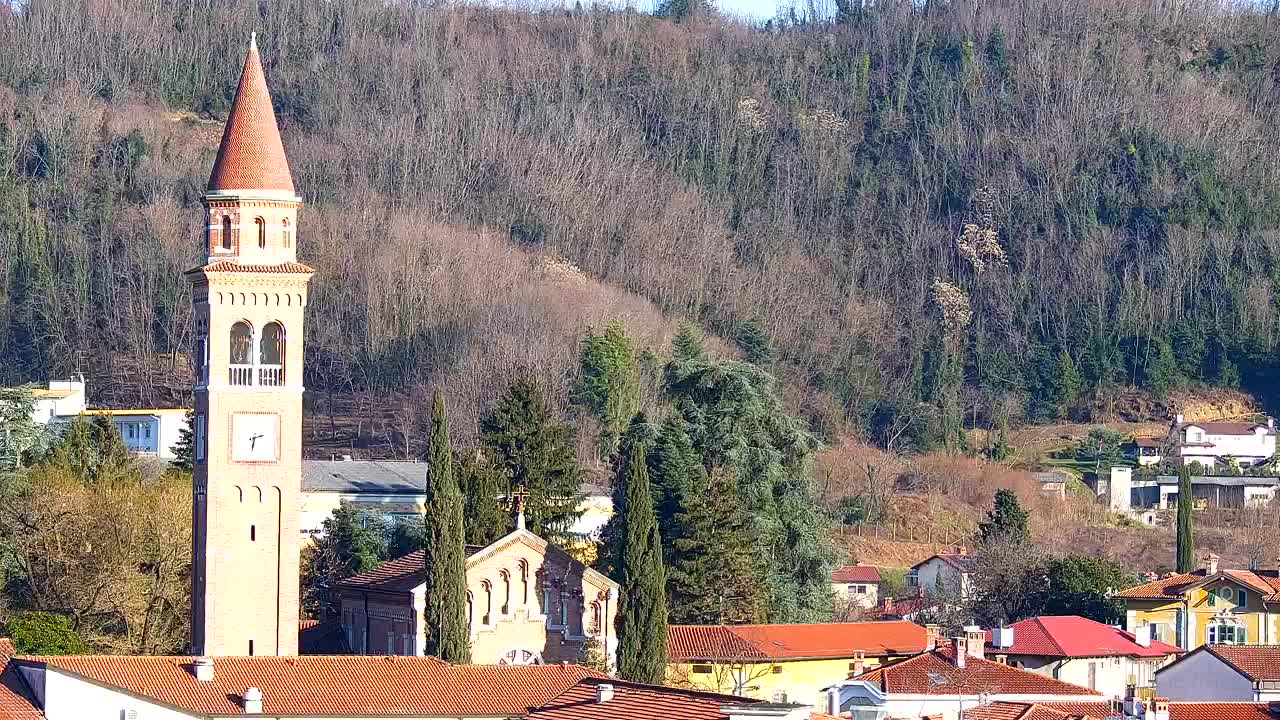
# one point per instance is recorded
(1220, 711)
(856, 573)
(16, 702)
(1074, 636)
(1265, 582)
(331, 685)
(1257, 662)
(635, 702)
(399, 575)
(1022, 711)
(1149, 442)
(233, 266)
(791, 642)
(961, 562)
(1097, 709)
(251, 156)
(933, 673)
(899, 607)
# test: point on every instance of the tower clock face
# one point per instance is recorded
(255, 437)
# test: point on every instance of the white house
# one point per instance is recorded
(856, 585)
(63, 398)
(946, 573)
(1083, 652)
(1225, 673)
(942, 684)
(1220, 443)
(146, 431)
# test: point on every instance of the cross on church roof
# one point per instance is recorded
(518, 497)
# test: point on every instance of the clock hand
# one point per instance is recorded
(253, 440)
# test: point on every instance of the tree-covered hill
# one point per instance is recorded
(926, 214)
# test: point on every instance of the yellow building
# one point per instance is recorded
(1208, 605)
(786, 663)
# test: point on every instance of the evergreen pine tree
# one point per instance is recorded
(642, 603)
(443, 555)
(482, 488)
(184, 451)
(672, 464)
(710, 580)
(1006, 521)
(1066, 382)
(1186, 533)
(687, 343)
(609, 383)
(536, 453)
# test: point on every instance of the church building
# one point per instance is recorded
(528, 602)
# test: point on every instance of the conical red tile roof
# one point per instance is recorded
(251, 156)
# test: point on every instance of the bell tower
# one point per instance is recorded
(248, 301)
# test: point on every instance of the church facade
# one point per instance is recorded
(528, 602)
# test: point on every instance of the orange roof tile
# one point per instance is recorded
(635, 701)
(856, 573)
(1003, 710)
(1265, 582)
(16, 702)
(796, 641)
(251, 156)
(934, 673)
(1257, 662)
(330, 684)
(1220, 711)
(232, 266)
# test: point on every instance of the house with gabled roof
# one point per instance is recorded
(943, 683)
(1224, 672)
(1132, 709)
(944, 575)
(856, 585)
(1082, 651)
(1208, 605)
(1222, 443)
(785, 662)
(528, 602)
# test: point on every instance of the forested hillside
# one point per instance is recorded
(923, 215)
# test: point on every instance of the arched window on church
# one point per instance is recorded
(241, 367)
(271, 355)
(524, 583)
(284, 231)
(471, 602)
(226, 232)
(596, 618)
(488, 602)
(506, 592)
(260, 226)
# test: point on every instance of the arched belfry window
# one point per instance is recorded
(241, 367)
(261, 226)
(284, 231)
(226, 232)
(271, 355)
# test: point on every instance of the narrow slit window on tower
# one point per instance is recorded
(226, 232)
(253, 533)
(284, 231)
(250, 647)
(261, 226)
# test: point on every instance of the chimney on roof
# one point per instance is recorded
(1158, 709)
(1142, 635)
(975, 639)
(604, 692)
(1002, 637)
(252, 701)
(1178, 418)
(1210, 563)
(958, 653)
(859, 664)
(932, 633)
(833, 700)
(203, 669)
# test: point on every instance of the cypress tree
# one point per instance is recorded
(642, 603)
(1186, 539)
(482, 490)
(444, 559)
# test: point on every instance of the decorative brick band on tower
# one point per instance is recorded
(249, 301)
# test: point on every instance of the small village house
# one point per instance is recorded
(1208, 605)
(945, 575)
(1215, 444)
(1223, 672)
(785, 663)
(856, 586)
(943, 683)
(1083, 652)
(151, 432)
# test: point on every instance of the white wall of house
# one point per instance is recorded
(64, 398)
(1202, 676)
(1258, 444)
(861, 695)
(1108, 675)
(856, 594)
(954, 581)
(67, 697)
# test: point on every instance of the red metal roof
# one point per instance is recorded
(934, 673)
(1074, 636)
(331, 684)
(251, 156)
(796, 641)
(856, 573)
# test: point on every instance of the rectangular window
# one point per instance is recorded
(1242, 598)
(200, 436)
(776, 669)
(250, 647)
(701, 669)
(133, 431)
(146, 431)
(408, 644)
(1213, 598)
